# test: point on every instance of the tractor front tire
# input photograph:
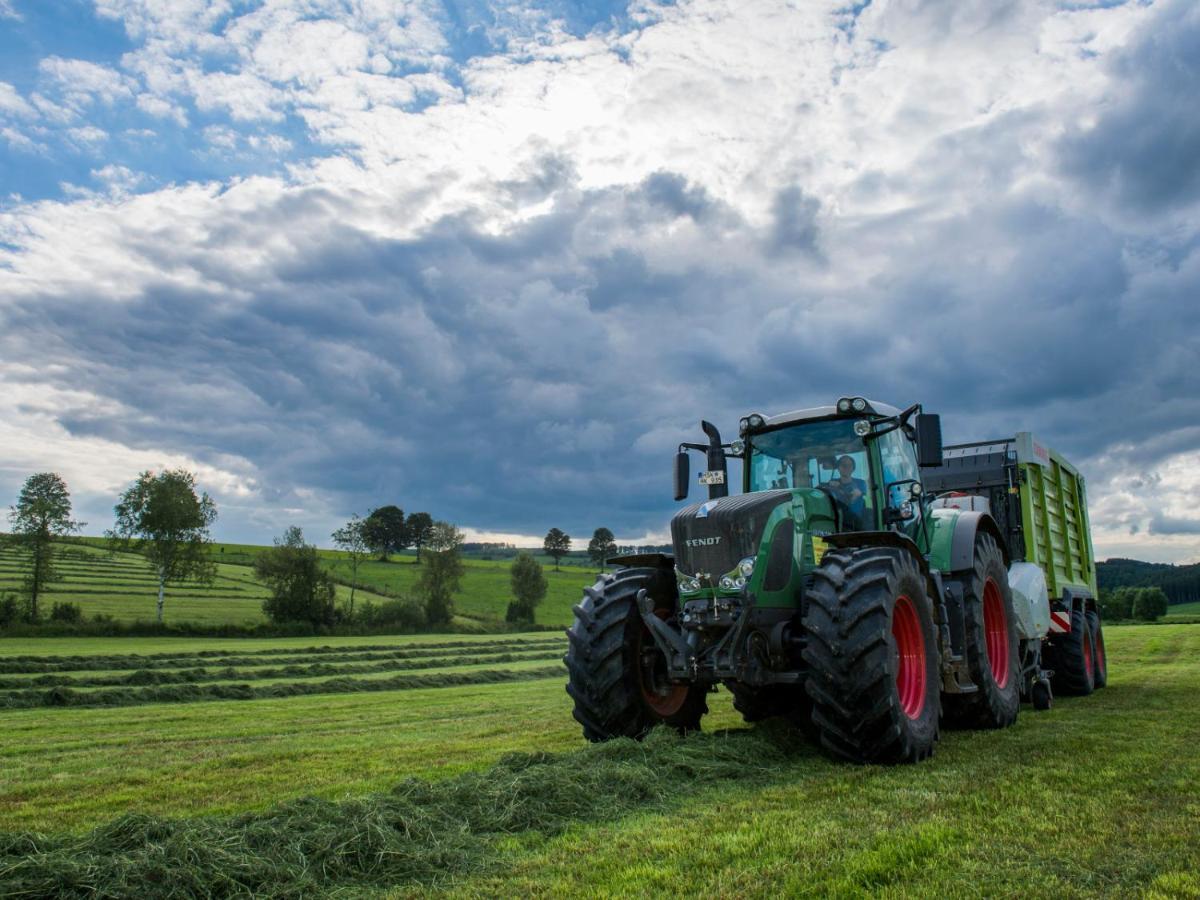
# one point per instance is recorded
(616, 673)
(1071, 658)
(872, 655)
(1099, 657)
(993, 647)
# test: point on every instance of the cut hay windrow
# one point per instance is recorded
(144, 677)
(196, 693)
(422, 833)
(15, 665)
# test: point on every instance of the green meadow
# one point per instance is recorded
(488, 789)
(123, 586)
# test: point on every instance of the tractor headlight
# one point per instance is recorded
(737, 447)
(862, 427)
(746, 566)
(755, 420)
(727, 583)
(859, 404)
(739, 582)
(843, 405)
(687, 584)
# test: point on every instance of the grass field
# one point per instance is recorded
(1098, 797)
(123, 586)
(1184, 609)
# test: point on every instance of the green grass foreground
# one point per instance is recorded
(1098, 797)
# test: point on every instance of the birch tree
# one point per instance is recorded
(162, 518)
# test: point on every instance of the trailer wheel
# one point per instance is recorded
(872, 657)
(616, 673)
(993, 648)
(1071, 658)
(1099, 657)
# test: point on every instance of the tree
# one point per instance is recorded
(528, 587)
(443, 572)
(1149, 604)
(301, 591)
(162, 518)
(1117, 603)
(42, 514)
(385, 531)
(351, 539)
(557, 545)
(419, 526)
(602, 546)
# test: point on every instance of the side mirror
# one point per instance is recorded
(929, 440)
(682, 475)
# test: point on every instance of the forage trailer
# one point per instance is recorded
(867, 583)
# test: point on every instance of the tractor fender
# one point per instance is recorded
(879, 539)
(967, 525)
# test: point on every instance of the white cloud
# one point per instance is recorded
(873, 199)
(8, 11)
(12, 103)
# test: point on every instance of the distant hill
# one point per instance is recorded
(1181, 584)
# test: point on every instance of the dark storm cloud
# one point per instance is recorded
(542, 376)
(1144, 149)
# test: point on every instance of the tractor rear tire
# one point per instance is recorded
(1099, 657)
(872, 655)
(616, 673)
(1071, 658)
(993, 647)
(757, 704)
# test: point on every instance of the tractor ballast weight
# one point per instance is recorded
(859, 585)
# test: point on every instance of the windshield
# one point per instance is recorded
(826, 455)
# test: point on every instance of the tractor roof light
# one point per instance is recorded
(843, 405)
(743, 425)
(859, 404)
(755, 420)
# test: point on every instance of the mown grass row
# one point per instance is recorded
(14, 665)
(420, 832)
(147, 677)
(195, 693)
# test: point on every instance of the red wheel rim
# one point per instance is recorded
(1089, 664)
(995, 632)
(910, 649)
(663, 698)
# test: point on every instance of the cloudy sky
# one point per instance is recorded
(495, 259)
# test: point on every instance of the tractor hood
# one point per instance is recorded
(710, 538)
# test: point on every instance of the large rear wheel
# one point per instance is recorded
(616, 673)
(993, 656)
(872, 657)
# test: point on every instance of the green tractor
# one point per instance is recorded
(840, 591)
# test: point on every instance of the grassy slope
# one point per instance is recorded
(123, 586)
(1098, 797)
(1184, 609)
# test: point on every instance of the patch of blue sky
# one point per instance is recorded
(66, 28)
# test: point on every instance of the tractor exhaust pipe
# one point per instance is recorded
(718, 484)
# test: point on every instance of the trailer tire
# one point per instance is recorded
(614, 668)
(993, 646)
(872, 656)
(1100, 658)
(1071, 658)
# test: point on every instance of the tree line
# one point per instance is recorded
(1180, 584)
(166, 520)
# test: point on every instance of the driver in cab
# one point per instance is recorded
(849, 490)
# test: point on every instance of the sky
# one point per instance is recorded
(495, 260)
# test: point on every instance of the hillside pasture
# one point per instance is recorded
(123, 586)
(1097, 797)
